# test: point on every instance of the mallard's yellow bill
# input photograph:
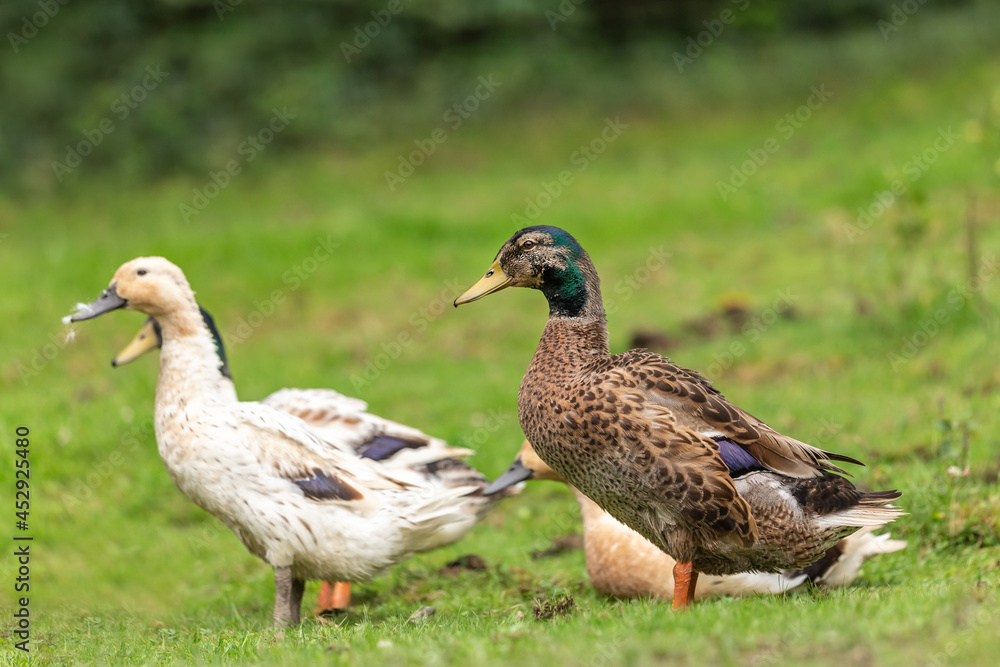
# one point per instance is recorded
(494, 281)
(147, 339)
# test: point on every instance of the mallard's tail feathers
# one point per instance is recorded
(841, 564)
(872, 509)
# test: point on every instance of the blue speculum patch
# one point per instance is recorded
(737, 459)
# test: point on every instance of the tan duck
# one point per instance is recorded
(657, 446)
(310, 507)
(622, 563)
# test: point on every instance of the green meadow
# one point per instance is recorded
(831, 261)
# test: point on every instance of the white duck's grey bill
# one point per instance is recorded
(108, 301)
(514, 474)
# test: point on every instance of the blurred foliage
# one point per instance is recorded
(348, 70)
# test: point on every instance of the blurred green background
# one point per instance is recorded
(354, 73)
(799, 199)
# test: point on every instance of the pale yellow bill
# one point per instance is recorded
(494, 281)
(147, 339)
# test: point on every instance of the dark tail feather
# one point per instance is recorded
(840, 457)
(879, 497)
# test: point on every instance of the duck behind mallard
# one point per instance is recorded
(657, 446)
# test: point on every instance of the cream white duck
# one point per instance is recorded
(622, 563)
(306, 504)
(345, 423)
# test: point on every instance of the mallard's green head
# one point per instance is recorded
(150, 338)
(547, 259)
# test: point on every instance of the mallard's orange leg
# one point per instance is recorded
(333, 596)
(685, 580)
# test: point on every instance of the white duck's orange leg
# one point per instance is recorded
(341, 595)
(685, 580)
(333, 596)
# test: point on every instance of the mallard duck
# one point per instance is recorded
(622, 563)
(311, 508)
(657, 446)
(345, 422)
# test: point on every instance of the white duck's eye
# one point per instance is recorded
(141, 272)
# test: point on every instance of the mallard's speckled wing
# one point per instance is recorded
(698, 477)
(697, 405)
(685, 478)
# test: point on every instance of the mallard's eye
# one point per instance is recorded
(141, 272)
(528, 244)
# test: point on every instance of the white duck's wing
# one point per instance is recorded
(444, 498)
(344, 422)
(293, 451)
(293, 459)
(315, 404)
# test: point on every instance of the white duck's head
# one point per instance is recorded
(151, 285)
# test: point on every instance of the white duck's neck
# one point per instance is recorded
(189, 363)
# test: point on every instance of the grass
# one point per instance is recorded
(127, 570)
